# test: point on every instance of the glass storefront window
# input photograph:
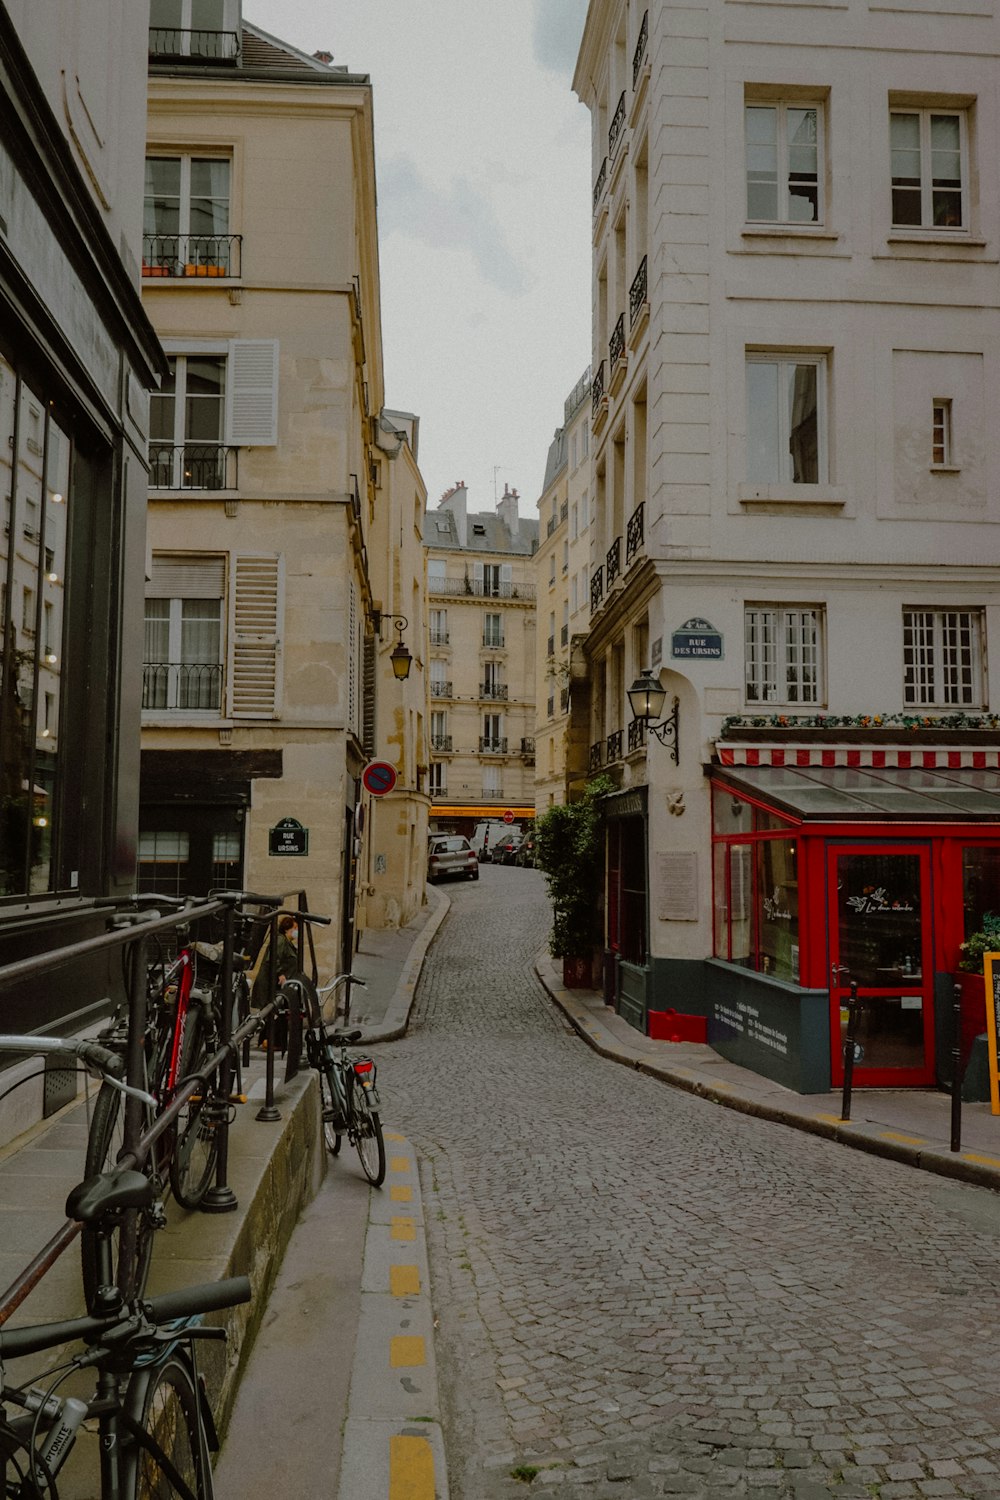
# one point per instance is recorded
(980, 887)
(730, 814)
(778, 908)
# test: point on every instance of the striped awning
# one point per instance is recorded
(875, 757)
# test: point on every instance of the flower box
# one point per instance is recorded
(204, 270)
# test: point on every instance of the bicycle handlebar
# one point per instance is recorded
(109, 1064)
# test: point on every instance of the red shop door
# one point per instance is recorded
(880, 917)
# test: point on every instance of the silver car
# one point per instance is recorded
(451, 855)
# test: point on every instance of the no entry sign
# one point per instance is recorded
(508, 816)
(379, 777)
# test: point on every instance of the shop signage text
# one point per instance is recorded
(696, 639)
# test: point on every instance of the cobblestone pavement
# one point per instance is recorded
(641, 1293)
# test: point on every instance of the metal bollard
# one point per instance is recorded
(221, 1199)
(956, 1069)
(852, 1013)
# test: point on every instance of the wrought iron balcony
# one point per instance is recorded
(599, 185)
(441, 742)
(637, 734)
(617, 127)
(493, 642)
(479, 588)
(192, 256)
(614, 560)
(564, 510)
(209, 46)
(497, 690)
(616, 343)
(596, 756)
(527, 747)
(639, 54)
(492, 746)
(597, 388)
(614, 746)
(634, 532)
(553, 523)
(440, 689)
(192, 466)
(439, 638)
(187, 686)
(637, 293)
(596, 589)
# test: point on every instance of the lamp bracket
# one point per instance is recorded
(667, 732)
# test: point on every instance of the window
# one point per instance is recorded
(493, 685)
(163, 862)
(439, 671)
(438, 779)
(783, 654)
(182, 657)
(493, 733)
(782, 163)
(212, 401)
(439, 731)
(435, 573)
(565, 558)
(227, 861)
(574, 522)
(927, 151)
(786, 419)
(942, 658)
(439, 627)
(552, 571)
(941, 449)
(574, 594)
(491, 782)
(492, 630)
(756, 888)
(186, 218)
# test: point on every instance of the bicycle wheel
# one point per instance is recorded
(196, 1141)
(173, 1438)
(132, 1244)
(364, 1129)
(327, 1097)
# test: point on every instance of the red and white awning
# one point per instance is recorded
(877, 757)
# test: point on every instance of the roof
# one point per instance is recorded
(849, 794)
(261, 56)
(486, 532)
(556, 459)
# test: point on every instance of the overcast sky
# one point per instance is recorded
(483, 162)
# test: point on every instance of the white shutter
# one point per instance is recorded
(477, 572)
(507, 572)
(252, 393)
(178, 576)
(255, 622)
(352, 661)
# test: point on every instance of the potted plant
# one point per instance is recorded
(971, 981)
(569, 849)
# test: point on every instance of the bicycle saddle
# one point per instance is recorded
(345, 1038)
(107, 1192)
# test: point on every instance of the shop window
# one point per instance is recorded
(756, 894)
(980, 886)
(942, 658)
(783, 655)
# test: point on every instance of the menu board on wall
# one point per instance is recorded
(991, 968)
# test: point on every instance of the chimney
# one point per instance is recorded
(457, 501)
(323, 57)
(507, 510)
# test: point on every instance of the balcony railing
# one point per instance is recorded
(192, 466)
(553, 523)
(564, 510)
(442, 742)
(614, 560)
(438, 788)
(596, 589)
(564, 635)
(214, 46)
(617, 126)
(480, 588)
(596, 756)
(634, 532)
(637, 293)
(527, 747)
(439, 637)
(496, 690)
(550, 707)
(563, 700)
(192, 256)
(602, 178)
(490, 746)
(614, 746)
(192, 686)
(440, 689)
(597, 388)
(616, 343)
(493, 642)
(640, 48)
(637, 734)
(550, 646)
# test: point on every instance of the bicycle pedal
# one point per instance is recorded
(237, 1098)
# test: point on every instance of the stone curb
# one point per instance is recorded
(861, 1137)
(393, 1442)
(397, 1016)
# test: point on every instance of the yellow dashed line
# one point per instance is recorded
(406, 1351)
(833, 1119)
(404, 1281)
(401, 1194)
(985, 1161)
(907, 1140)
(411, 1469)
(402, 1229)
(399, 1164)
(391, 1136)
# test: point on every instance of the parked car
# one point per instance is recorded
(525, 855)
(451, 855)
(504, 853)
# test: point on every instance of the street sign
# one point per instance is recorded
(696, 639)
(379, 777)
(508, 816)
(288, 837)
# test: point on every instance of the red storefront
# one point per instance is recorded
(840, 863)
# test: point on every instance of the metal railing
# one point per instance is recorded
(553, 522)
(614, 560)
(617, 127)
(527, 746)
(439, 638)
(640, 48)
(637, 734)
(441, 742)
(614, 746)
(440, 689)
(637, 292)
(194, 686)
(493, 642)
(496, 690)
(550, 646)
(597, 389)
(635, 531)
(193, 466)
(596, 589)
(480, 588)
(491, 746)
(616, 343)
(602, 178)
(596, 759)
(192, 256)
(564, 635)
(175, 41)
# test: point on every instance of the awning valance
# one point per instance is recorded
(912, 794)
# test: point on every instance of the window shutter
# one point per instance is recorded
(368, 727)
(256, 607)
(252, 395)
(477, 571)
(176, 576)
(352, 659)
(507, 572)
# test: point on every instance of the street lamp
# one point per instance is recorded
(399, 656)
(646, 698)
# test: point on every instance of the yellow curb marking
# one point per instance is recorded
(908, 1140)
(401, 1194)
(392, 1137)
(833, 1119)
(402, 1229)
(986, 1161)
(404, 1281)
(406, 1351)
(399, 1164)
(411, 1469)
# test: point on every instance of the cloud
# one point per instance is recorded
(556, 34)
(460, 218)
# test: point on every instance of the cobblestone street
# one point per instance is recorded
(641, 1293)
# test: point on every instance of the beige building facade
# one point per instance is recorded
(481, 658)
(264, 689)
(795, 318)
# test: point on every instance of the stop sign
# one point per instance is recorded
(508, 816)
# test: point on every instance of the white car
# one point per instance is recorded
(451, 855)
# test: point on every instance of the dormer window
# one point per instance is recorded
(203, 29)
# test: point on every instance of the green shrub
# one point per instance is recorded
(569, 850)
(986, 940)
